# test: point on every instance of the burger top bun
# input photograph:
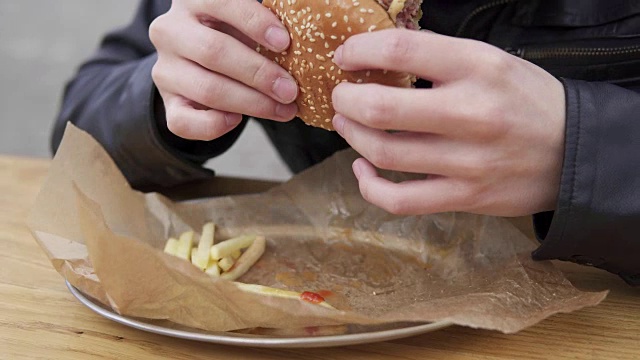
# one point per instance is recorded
(317, 28)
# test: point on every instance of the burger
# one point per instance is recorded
(317, 28)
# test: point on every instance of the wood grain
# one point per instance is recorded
(39, 319)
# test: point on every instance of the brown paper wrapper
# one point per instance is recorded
(375, 268)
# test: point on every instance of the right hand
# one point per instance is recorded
(208, 72)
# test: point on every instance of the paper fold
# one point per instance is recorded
(107, 240)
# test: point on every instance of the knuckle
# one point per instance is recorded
(378, 112)
(160, 29)
(177, 123)
(382, 156)
(212, 51)
(250, 18)
(213, 5)
(398, 205)
(500, 125)
(463, 114)
(493, 122)
(485, 120)
(208, 92)
(471, 199)
(212, 129)
(470, 168)
(494, 62)
(180, 123)
(157, 30)
(263, 108)
(157, 74)
(262, 73)
(161, 74)
(397, 48)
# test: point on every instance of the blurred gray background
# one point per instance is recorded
(41, 44)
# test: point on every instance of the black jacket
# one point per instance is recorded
(592, 45)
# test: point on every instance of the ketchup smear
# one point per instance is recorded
(311, 297)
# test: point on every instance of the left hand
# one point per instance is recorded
(489, 135)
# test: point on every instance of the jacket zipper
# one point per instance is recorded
(477, 11)
(564, 52)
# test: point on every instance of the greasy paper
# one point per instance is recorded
(375, 268)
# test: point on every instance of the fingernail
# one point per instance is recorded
(285, 89)
(232, 119)
(288, 111)
(277, 37)
(338, 123)
(337, 56)
(357, 169)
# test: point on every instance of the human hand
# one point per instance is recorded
(489, 135)
(208, 72)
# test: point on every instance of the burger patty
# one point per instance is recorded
(409, 16)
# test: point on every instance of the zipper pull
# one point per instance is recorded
(519, 52)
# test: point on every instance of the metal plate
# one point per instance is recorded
(353, 334)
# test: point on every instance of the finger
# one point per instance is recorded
(427, 55)
(409, 152)
(415, 197)
(249, 17)
(224, 54)
(217, 91)
(438, 111)
(191, 122)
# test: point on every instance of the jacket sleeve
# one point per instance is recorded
(113, 98)
(597, 220)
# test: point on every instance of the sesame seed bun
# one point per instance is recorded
(317, 29)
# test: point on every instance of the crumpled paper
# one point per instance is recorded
(375, 268)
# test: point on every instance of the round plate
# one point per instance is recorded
(350, 335)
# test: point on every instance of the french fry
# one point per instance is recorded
(184, 245)
(226, 260)
(226, 263)
(212, 269)
(226, 248)
(265, 290)
(246, 260)
(171, 247)
(201, 257)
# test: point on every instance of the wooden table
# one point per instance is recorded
(40, 319)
